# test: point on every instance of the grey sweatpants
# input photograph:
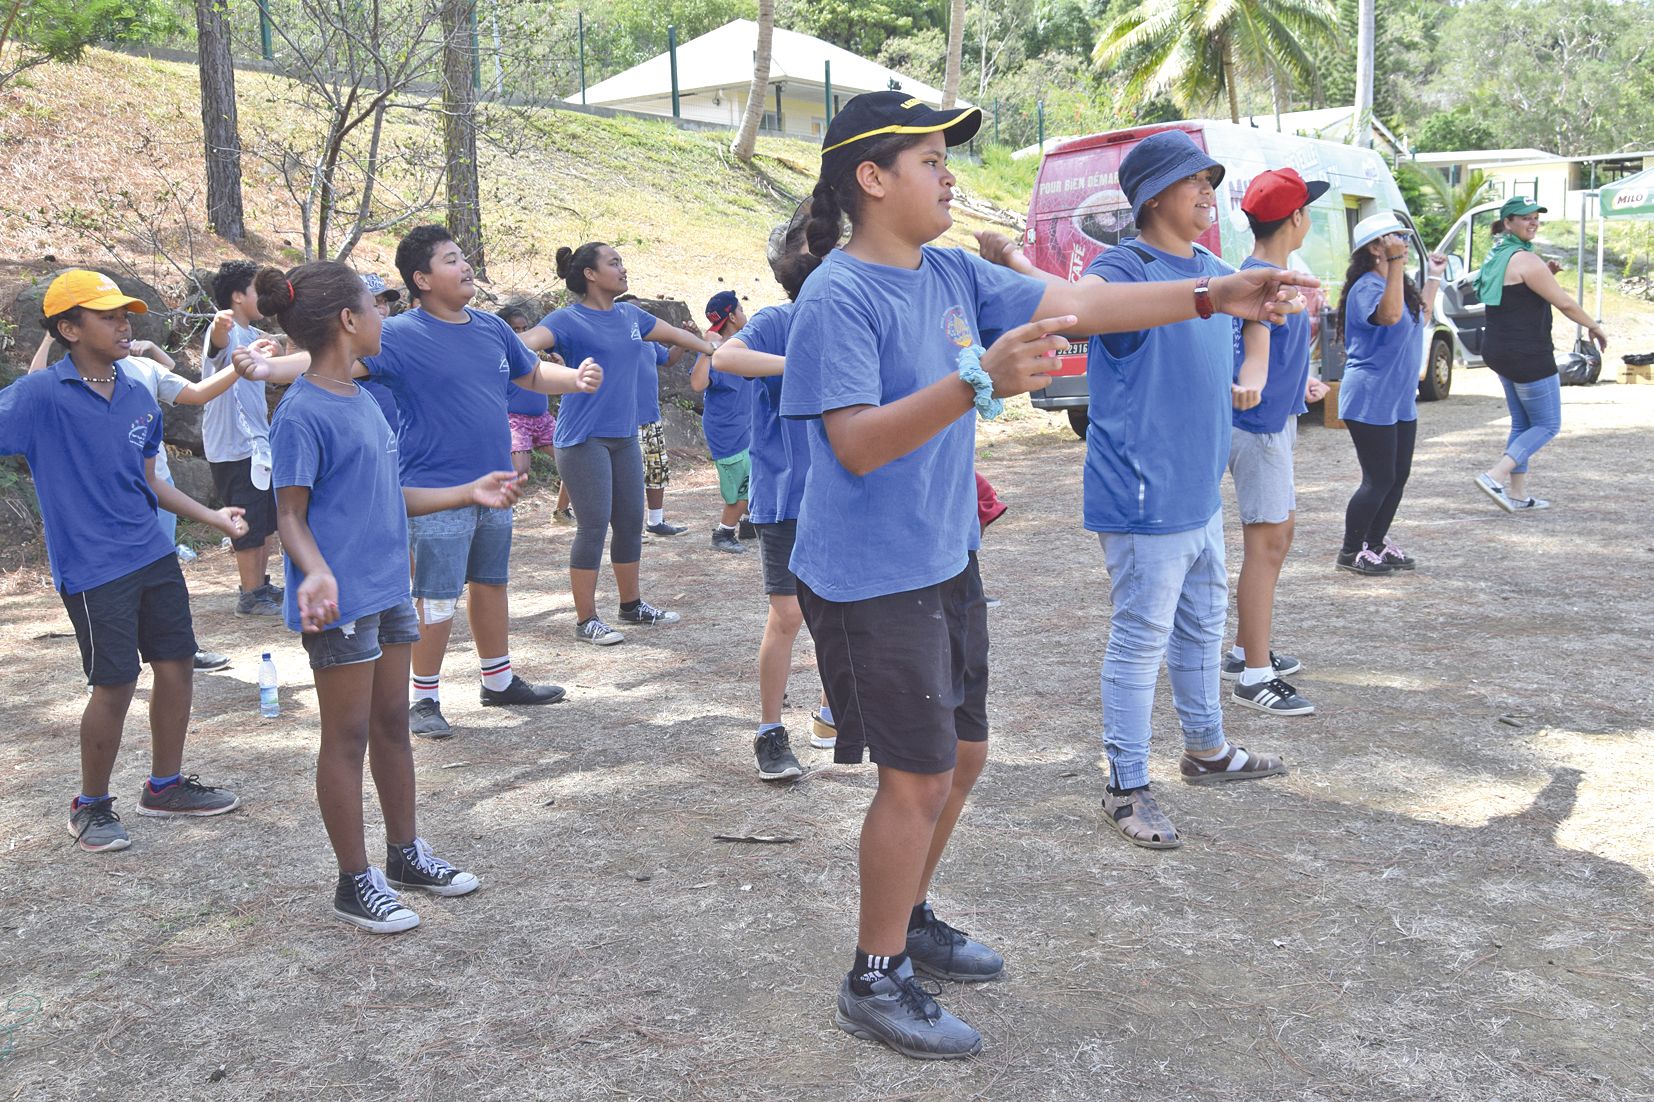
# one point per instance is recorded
(604, 475)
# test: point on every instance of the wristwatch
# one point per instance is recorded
(970, 370)
(1203, 297)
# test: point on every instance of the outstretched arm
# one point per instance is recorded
(735, 358)
(554, 378)
(495, 490)
(204, 391)
(680, 338)
(1538, 276)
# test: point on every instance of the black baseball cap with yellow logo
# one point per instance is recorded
(874, 115)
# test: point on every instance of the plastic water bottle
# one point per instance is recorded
(269, 704)
(185, 554)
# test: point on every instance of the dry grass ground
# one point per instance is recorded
(1448, 898)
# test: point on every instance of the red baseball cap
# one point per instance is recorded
(1275, 194)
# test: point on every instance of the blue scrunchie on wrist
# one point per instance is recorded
(970, 370)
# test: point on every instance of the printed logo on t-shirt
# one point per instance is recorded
(505, 365)
(138, 431)
(390, 440)
(957, 328)
(636, 335)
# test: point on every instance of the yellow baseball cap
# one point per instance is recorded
(91, 290)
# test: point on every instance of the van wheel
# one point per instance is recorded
(1078, 418)
(1438, 379)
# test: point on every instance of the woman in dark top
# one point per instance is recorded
(1519, 290)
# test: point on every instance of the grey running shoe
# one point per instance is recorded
(1282, 664)
(903, 1015)
(597, 633)
(1273, 696)
(775, 756)
(939, 950)
(666, 528)
(416, 866)
(96, 827)
(189, 797)
(823, 735)
(425, 719)
(1495, 491)
(366, 901)
(256, 603)
(723, 539)
(206, 661)
(271, 590)
(646, 613)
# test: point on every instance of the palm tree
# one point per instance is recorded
(1452, 201)
(956, 51)
(1197, 50)
(746, 138)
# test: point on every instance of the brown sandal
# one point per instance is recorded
(1214, 770)
(1136, 816)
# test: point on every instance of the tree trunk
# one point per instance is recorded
(218, 121)
(1229, 80)
(459, 131)
(956, 47)
(746, 139)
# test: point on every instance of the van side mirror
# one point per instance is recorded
(1455, 267)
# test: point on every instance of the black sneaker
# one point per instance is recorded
(666, 528)
(597, 633)
(646, 613)
(206, 661)
(1364, 562)
(416, 866)
(1281, 664)
(366, 901)
(1395, 558)
(745, 529)
(723, 539)
(425, 719)
(775, 756)
(1273, 696)
(521, 692)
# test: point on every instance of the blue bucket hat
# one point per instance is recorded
(1159, 161)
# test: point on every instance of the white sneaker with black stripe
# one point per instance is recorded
(1273, 696)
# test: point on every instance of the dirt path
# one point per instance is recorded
(1447, 899)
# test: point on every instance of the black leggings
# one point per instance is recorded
(1385, 453)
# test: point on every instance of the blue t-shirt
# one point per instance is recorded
(387, 401)
(654, 358)
(528, 403)
(342, 449)
(449, 381)
(1160, 407)
(87, 458)
(865, 335)
(613, 338)
(1381, 372)
(780, 445)
(233, 420)
(1283, 392)
(726, 414)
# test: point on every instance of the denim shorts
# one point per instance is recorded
(367, 635)
(455, 546)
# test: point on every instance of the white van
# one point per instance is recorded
(1078, 210)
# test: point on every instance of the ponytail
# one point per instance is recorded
(306, 302)
(572, 265)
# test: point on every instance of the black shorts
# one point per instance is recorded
(907, 673)
(234, 483)
(775, 549)
(146, 612)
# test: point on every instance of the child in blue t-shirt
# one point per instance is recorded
(91, 434)
(780, 465)
(1276, 205)
(885, 363)
(726, 421)
(343, 517)
(1384, 314)
(598, 455)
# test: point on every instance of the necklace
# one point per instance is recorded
(336, 382)
(95, 379)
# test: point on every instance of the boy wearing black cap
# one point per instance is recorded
(727, 423)
(1276, 205)
(90, 433)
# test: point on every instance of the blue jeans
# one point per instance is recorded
(1170, 594)
(1535, 417)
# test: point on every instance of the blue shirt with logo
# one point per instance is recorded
(726, 413)
(1381, 371)
(387, 401)
(525, 402)
(449, 380)
(233, 420)
(654, 358)
(865, 335)
(614, 338)
(1158, 440)
(1283, 392)
(342, 449)
(780, 445)
(87, 457)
